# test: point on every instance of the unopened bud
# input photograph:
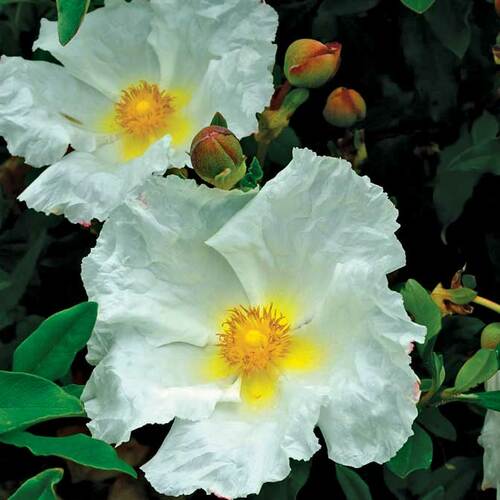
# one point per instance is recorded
(217, 157)
(344, 107)
(490, 336)
(497, 7)
(310, 64)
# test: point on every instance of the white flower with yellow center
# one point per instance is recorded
(251, 318)
(138, 81)
(490, 441)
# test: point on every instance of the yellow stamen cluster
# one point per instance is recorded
(143, 110)
(254, 339)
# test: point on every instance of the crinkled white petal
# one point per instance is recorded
(152, 270)
(137, 384)
(235, 451)
(490, 441)
(84, 186)
(373, 389)
(312, 216)
(110, 50)
(228, 44)
(43, 110)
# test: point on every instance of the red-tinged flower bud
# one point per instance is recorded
(217, 157)
(490, 336)
(344, 107)
(497, 7)
(310, 64)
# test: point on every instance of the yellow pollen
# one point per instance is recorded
(144, 110)
(254, 339)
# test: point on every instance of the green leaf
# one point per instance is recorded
(74, 389)
(414, 455)
(482, 366)
(422, 308)
(39, 487)
(27, 399)
(219, 120)
(489, 399)
(484, 129)
(51, 348)
(449, 19)
(352, 485)
(435, 494)
(287, 489)
(252, 177)
(280, 150)
(461, 296)
(425, 384)
(437, 371)
(434, 421)
(418, 6)
(70, 14)
(78, 448)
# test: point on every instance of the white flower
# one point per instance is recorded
(490, 441)
(250, 319)
(136, 78)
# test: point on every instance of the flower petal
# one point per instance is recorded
(235, 451)
(284, 243)
(490, 441)
(230, 71)
(152, 270)
(137, 384)
(372, 404)
(84, 186)
(110, 50)
(44, 110)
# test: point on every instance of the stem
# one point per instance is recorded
(262, 148)
(489, 304)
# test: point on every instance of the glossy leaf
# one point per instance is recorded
(489, 399)
(414, 455)
(449, 19)
(78, 448)
(352, 485)
(252, 177)
(418, 6)
(51, 348)
(476, 370)
(39, 487)
(421, 307)
(27, 399)
(434, 421)
(70, 14)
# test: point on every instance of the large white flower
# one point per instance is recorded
(250, 319)
(490, 441)
(136, 78)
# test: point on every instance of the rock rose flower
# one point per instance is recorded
(136, 78)
(490, 441)
(252, 318)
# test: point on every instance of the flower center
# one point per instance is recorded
(144, 110)
(254, 339)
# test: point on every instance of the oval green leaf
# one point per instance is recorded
(489, 399)
(28, 399)
(476, 370)
(352, 485)
(416, 454)
(70, 14)
(418, 6)
(39, 487)
(78, 448)
(51, 348)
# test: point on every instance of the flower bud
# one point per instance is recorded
(310, 64)
(490, 336)
(497, 7)
(217, 157)
(344, 107)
